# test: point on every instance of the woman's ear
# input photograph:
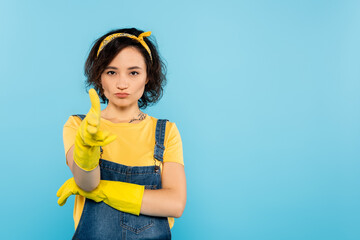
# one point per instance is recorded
(147, 80)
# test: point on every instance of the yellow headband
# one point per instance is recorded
(140, 39)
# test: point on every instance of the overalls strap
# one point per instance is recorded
(81, 116)
(159, 139)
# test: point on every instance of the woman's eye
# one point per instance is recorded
(110, 73)
(134, 73)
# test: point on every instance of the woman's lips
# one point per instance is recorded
(121, 95)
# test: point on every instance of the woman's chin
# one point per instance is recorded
(120, 103)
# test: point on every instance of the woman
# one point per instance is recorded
(128, 168)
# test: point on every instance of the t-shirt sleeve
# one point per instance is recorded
(173, 145)
(69, 132)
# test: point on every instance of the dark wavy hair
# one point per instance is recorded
(155, 69)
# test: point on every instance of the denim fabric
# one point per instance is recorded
(100, 221)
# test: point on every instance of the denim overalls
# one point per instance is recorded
(100, 221)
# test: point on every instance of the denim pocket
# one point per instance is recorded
(134, 223)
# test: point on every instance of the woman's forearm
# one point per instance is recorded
(86, 180)
(162, 203)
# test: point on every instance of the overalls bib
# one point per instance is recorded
(99, 221)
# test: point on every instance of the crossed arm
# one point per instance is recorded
(166, 202)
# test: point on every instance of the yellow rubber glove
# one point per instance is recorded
(89, 138)
(126, 197)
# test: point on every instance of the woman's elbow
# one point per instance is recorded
(179, 209)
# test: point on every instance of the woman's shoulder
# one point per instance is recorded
(171, 130)
(154, 119)
(169, 123)
(73, 121)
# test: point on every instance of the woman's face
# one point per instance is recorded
(126, 73)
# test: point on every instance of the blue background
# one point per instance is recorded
(266, 96)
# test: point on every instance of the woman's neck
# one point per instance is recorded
(129, 114)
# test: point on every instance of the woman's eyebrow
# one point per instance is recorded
(110, 67)
(134, 67)
(129, 68)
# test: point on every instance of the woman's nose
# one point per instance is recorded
(122, 82)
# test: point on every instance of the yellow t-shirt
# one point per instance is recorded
(134, 146)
